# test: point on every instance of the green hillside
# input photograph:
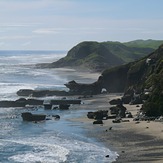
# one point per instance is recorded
(126, 53)
(99, 56)
(90, 55)
(144, 43)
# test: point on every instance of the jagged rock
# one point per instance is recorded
(119, 111)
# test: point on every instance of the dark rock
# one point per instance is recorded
(47, 119)
(116, 121)
(110, 128)
(98, 115)
(34, 102)
(56, 116)
(48, 106)
(64, 107)
(83, 89)
(129, 115)
(21, 100)
(24, 92)
(12, 103)
(126, 99)
(122, 111)
(115, 102)
(41, 93)
(27, 116)
(136, 100)
(55, 107)
(98, 122)
(119, 111)
(90, 115)
(114, 110)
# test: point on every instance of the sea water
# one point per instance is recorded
(50, 141)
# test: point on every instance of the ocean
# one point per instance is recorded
(52, 141)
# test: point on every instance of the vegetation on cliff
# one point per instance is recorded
(144, 76)
(99, 56)
(154, 44)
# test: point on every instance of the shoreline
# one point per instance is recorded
(134, 142)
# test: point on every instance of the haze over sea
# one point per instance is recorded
(44, 142)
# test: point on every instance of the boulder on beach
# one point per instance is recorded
(98, 115)
(118, 110)
(98, 122)
(115, 101)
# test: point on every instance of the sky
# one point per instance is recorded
(61, 24)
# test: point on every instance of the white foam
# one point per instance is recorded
(30, 58)
(90, 152)
(51, 149)
(42, 152)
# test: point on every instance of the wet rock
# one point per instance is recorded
(64, 107)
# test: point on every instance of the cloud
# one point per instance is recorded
(15, 37)
(14, 25)
(2, 43)
(46, 31)
(67, 30)
(26, 43)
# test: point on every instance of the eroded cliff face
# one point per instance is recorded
(135, 74)
(143, 78)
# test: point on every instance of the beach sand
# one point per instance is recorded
(134, 142)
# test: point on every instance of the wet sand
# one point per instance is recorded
(134, 142)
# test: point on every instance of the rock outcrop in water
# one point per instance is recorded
(41, 93)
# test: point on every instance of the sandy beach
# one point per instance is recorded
(134, 141)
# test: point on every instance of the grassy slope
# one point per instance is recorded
(99, 56)
(144, 43)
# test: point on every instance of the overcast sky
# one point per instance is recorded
(61, 24)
